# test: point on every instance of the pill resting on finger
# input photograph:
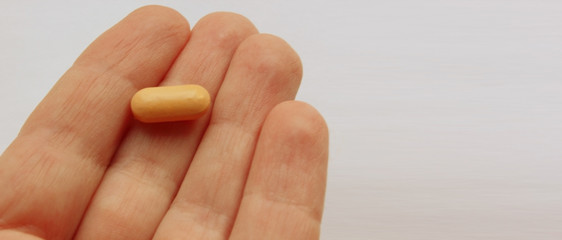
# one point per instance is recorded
(170, 103)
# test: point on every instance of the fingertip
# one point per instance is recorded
(272, 54)
(226, 28)
(155, 25)
(159, 16)
(298, 121)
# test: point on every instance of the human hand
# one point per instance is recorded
(254, 167)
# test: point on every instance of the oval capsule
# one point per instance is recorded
(170, 103)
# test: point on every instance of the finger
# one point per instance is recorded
(146, 172)
(264, 71)
(60, 155)
(284, 193)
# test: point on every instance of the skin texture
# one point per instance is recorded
(252, 167)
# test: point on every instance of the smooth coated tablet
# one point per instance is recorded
(170, 103)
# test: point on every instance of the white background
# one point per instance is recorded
(445, 116)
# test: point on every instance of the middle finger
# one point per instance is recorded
(147, 170)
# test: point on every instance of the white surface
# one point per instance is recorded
(445, 116)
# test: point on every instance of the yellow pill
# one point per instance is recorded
(170, 103)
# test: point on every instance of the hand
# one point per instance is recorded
(254, 167)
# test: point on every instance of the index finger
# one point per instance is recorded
(49, 173)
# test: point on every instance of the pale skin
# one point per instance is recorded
(253, 167)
